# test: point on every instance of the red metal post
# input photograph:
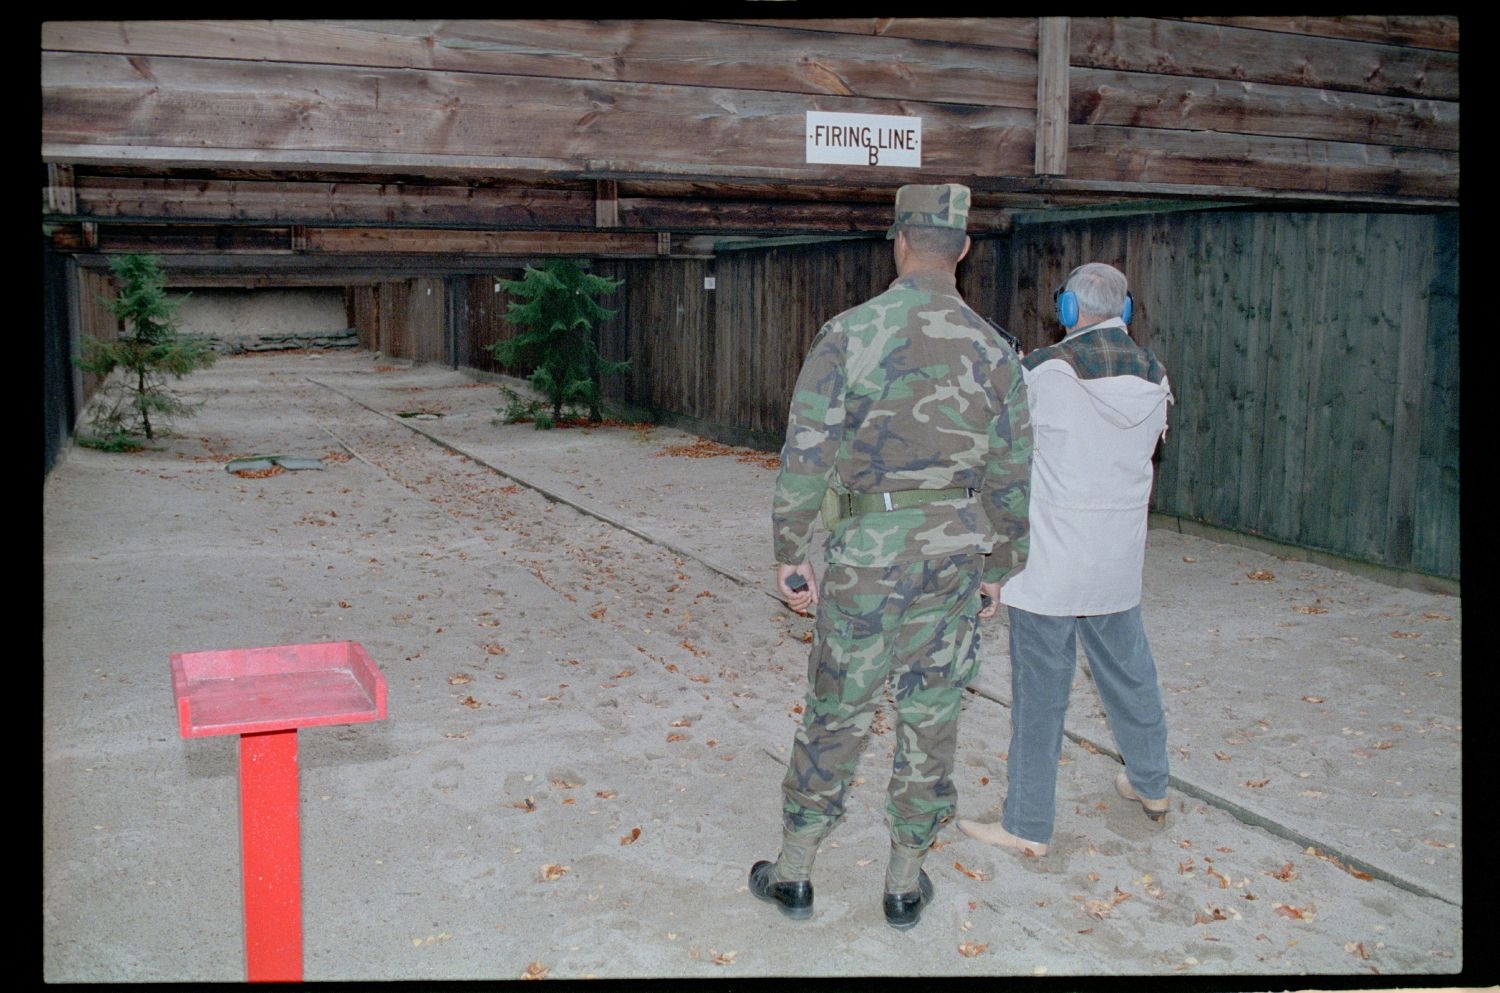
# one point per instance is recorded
(271, 852)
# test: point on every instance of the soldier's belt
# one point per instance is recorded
(837, 506)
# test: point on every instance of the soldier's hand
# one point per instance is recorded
(990, 591)
(798, 586)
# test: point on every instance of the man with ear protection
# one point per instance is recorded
(1098, 408)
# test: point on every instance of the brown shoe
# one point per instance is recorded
(994, 834)
(1155, 809)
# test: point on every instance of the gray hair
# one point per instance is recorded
(1100, 289)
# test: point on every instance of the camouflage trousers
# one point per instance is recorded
(915, 626)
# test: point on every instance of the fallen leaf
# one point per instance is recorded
(1261, 574)
(493, 649)
(1097, 908)
(1394, 634)
(972, 873)
(535, 971)
(605, 794)
(1311, 610)
(1188, 558)
(1357, 874)
(1286, 873)
(1087, 746)
(459, 679)
(1295, 913)
(1356, 948)
(563, 784)
(1199, 917)
(1121, 896)
(1255, 784)
(1433, 615)
(527, 804)
(970, 949)
(1222, 756)
(599, 613)
(551, 872)
(676, 737)
(630, 838)
(722, 958)
(1312, 699)
(469, 701)
(682, 723)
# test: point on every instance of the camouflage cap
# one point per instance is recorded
(945, 205)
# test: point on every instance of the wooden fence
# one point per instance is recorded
(1314, 356)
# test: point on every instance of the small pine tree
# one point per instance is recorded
(557, 310)
(151, 351)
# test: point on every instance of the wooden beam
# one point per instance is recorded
(606, 204)
(998, 32)
(1251, 166)
(955, 62)
(1417, 31)
(207, 113)
(1052, 97)
(62, 195)
(1100, 96)
(1211, 51)
(440, 241)
(270, 201)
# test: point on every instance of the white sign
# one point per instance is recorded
(864, 139)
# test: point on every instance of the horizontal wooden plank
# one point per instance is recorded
(102, 197)
(431, 240)
(1419, 31)
(1241, 165)
(199, 200)
(773, 217)
(688, 53)
(1212, 51)
(188, 110)
(997, 32)
(1103, 96)
(227, 248)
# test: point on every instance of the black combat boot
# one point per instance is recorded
(787, 882)
(907, 888)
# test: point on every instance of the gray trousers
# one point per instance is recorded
(1043, 657)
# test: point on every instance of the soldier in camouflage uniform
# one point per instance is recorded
(909, 435)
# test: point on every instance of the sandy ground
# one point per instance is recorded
(592, 692)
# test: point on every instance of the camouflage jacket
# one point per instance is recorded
(909, 390)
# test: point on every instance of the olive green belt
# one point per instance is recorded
(837, 506)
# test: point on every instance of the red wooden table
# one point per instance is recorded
(264, 695)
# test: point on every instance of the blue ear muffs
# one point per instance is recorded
(1066, 302)
(1067, 307)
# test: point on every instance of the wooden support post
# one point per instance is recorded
(1052, 96)
(62, 194)
(606, 204)
(663, 243)
(271, 850)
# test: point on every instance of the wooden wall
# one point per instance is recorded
(1314, 359)
(405, 319)
(1045, 110)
